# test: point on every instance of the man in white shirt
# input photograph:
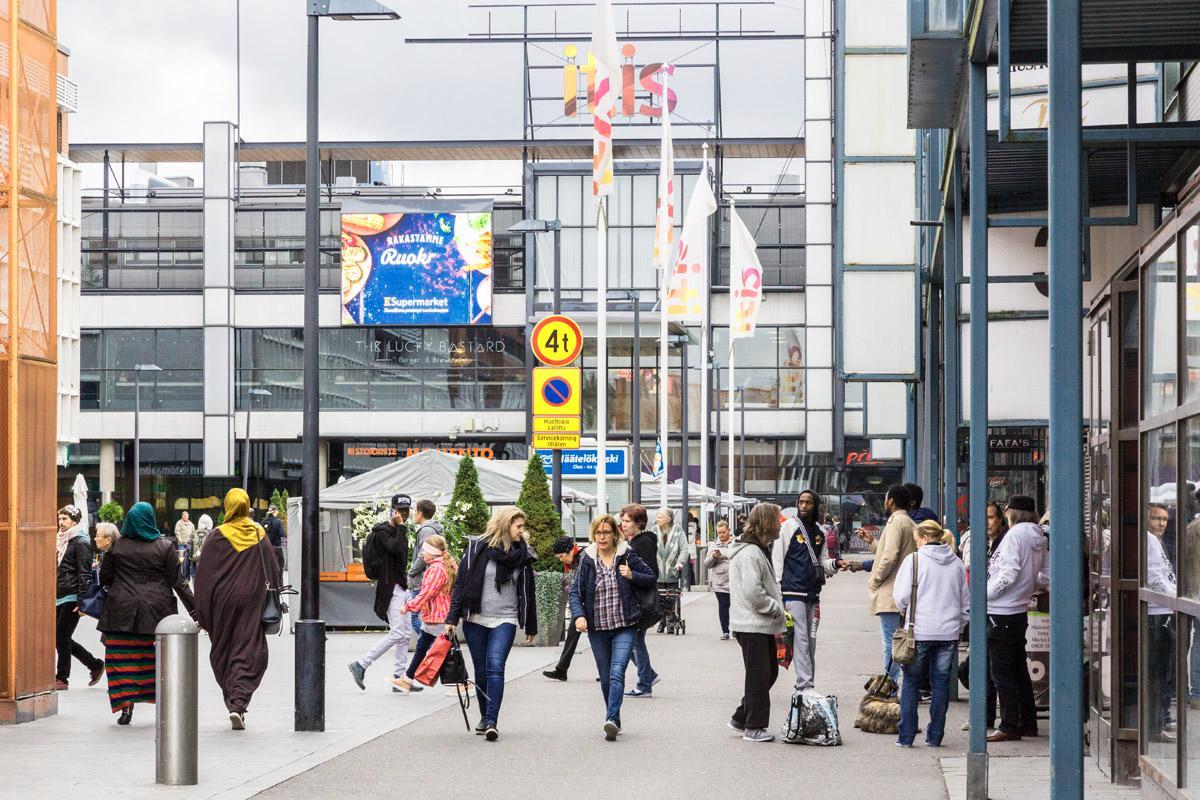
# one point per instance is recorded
(1160, 624)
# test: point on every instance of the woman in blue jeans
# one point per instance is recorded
(604, 605)
(931, 590)
(494, 594)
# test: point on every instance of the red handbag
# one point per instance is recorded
(431, 665)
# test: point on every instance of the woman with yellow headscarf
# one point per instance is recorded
(235, 567)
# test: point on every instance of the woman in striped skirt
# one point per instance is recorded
(142, 575)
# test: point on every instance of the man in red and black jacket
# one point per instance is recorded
(567, 551)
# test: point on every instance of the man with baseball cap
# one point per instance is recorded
(388, 545)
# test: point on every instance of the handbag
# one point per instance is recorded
(454, 673)
(273, 607)
(91, 602)
(904, 640)
(430, 667)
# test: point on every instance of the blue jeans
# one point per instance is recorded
(888, 622)
(489, 650)
(416, 622)
(641, 659)
(933, 659)
(612, 650)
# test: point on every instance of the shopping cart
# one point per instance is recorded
(669, 601)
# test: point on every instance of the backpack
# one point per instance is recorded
(372, 556)
(812, 719)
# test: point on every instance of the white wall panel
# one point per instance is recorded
(876, 23)
(820, 305)
(820, 432)
(818, 347)
(876, 106)
(818, 140)
(889, 449)
(887, 409)
(820, 388)
(879, 205)
(882, 341)
(1019, 381)
(818, 263)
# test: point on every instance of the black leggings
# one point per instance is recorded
(424, 641)
(723, 610)
(66, 619)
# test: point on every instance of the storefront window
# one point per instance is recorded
(769, 365)
(1160, 521)
(1160, 334)
(108, 380)
(1191, 312)
(1159, 710)
(1189, 567)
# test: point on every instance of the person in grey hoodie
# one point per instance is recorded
(426, 526)
(937, 614)
(1015, 573)
(717, 564)
(756, 615)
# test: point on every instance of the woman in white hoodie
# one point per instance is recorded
(937, 613)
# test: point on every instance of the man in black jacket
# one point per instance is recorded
(389, 540)
(273, 527)
(74, 576)
(645, 544)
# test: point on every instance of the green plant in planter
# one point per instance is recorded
(541, 517)
(112, 511)
(547, 587)
(467, 502)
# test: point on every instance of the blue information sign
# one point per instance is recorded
(581, 463)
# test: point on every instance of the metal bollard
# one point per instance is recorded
(175, 736)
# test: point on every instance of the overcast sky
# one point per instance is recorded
(155, 71)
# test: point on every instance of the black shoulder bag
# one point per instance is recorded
(273, 606)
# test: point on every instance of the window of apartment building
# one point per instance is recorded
(769, 366)
(778, 230)
(109, 380)
(389, 369)
(144, 248)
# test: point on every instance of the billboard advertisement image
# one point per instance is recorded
(417, 262)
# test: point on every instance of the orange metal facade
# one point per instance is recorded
(29, 66)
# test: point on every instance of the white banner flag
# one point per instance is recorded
(685, 297)
(664, 219)
(608, 72)
(745, 279)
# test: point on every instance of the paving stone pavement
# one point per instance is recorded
(1028, 778)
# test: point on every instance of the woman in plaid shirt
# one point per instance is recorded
(604, 605)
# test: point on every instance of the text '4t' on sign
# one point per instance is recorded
(557, 340)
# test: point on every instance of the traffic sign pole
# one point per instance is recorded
(556, 455)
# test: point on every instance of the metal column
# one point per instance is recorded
(977, 756)
(684, 341)
(951, 267)
(1066, 401)
(635, 426)
(556, 454)
(310, 629)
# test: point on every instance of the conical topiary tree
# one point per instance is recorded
(467, 501)
(541, 518)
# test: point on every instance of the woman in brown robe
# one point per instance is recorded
(235, 567)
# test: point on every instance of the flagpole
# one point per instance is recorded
(704, 389)
(602, 355)
(732, 373)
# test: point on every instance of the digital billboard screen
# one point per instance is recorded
(419, 262)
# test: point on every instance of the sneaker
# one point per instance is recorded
(966, 726)
(491, 734)
(95, 674)
(638, 693)
(237, 721)
(758, 735)
(402, 686)
(60, 686)
(724, 637)
(924, 697)
(555, 675)
(655, 681)
(358, 672)
(611, 729)
(733, 726)
(902, 744)
(126, 715)
(480, 728)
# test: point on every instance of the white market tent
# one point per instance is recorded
(428, 474)
(697, 493)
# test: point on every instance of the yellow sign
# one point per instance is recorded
(556, 441)
(557, 340)
(569, 424)
(556, 391)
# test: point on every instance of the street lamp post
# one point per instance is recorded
(138, 369)
(310, 629)
(742, 440)
(246, 447)
(542, 226)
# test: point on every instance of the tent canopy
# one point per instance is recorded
(696, 493)
(431, 474)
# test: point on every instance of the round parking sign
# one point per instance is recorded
(557, 340)
(556, 392)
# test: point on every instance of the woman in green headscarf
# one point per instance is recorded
(232, 575)
(140, 572)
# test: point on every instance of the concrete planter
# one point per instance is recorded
(552, 605)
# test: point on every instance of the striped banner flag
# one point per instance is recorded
(608, 71)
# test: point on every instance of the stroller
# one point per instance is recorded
(672, 621)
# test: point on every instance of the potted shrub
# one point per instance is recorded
(544, 525)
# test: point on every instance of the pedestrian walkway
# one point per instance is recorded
(1028, 778)
(376, 742)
